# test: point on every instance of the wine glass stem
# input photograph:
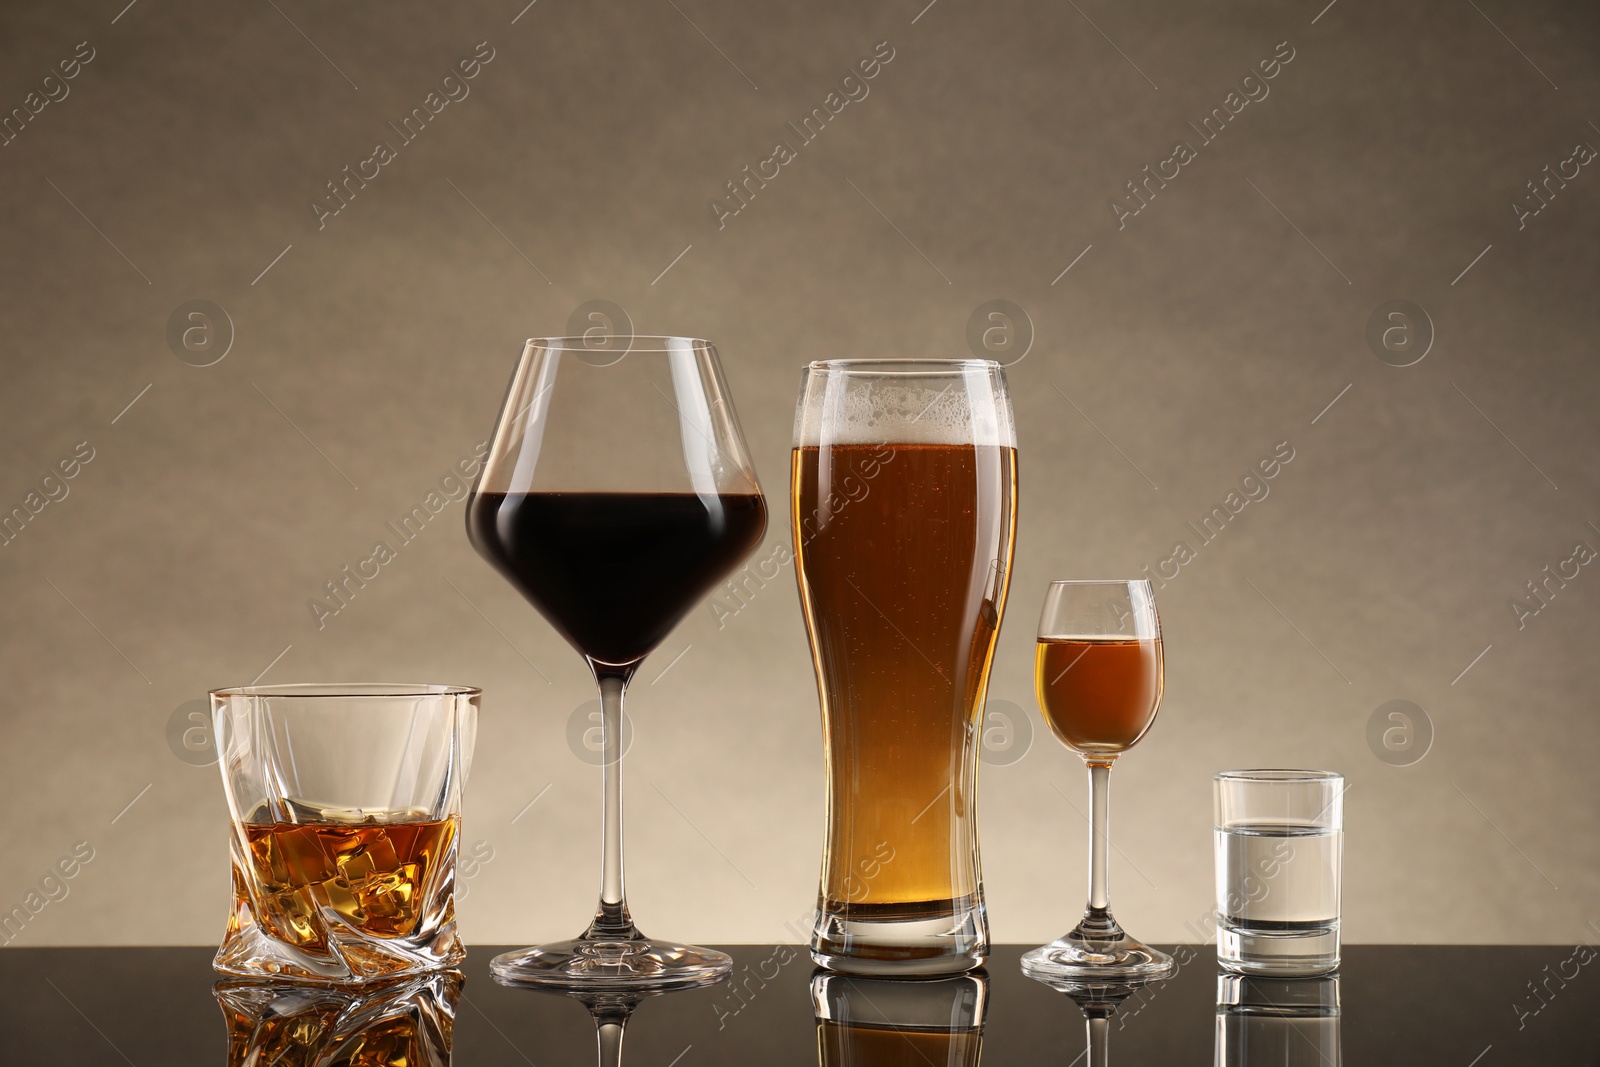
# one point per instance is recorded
(1099, 818)
(1099, 1040)
(608, 1039)
(612, 918)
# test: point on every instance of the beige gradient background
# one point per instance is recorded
(1190, 343)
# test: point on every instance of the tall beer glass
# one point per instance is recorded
(904, 519)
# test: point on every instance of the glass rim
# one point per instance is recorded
(1277, 774)
(917, 368)
(349, 690)
(633, 342)
(1096, 581)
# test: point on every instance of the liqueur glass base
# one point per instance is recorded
(1072, 958)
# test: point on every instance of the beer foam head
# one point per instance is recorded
(914, 402)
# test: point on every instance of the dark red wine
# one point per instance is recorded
(615, 572)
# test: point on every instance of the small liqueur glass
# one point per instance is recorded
(346, 809)
(1099, 675)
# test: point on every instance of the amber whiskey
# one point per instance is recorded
(377, 876)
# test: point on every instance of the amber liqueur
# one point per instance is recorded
(1099, 695)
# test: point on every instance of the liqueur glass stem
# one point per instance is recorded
(1099, 819)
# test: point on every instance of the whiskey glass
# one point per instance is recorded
(346, 809)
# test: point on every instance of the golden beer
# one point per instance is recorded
(903, 553)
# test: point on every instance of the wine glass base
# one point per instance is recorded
(1074, 959)
(621, 965)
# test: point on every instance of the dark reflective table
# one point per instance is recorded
(1458, 1006)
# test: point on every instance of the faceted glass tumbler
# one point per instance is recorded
(346, 809)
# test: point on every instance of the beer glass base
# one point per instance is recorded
(621, 965)
(941, 938)
(1073, 959)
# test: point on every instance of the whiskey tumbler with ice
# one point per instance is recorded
(346, 810)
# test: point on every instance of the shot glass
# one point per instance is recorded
(1280, 865)
(346, 810)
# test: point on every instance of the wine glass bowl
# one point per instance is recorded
(616, 493)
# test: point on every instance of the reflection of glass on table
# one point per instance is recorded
(1099, 1001)
(408, 1023)
(610, 1010)
(887, 1022)
(1277, 1022)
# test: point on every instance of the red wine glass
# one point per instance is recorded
(617, 492)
